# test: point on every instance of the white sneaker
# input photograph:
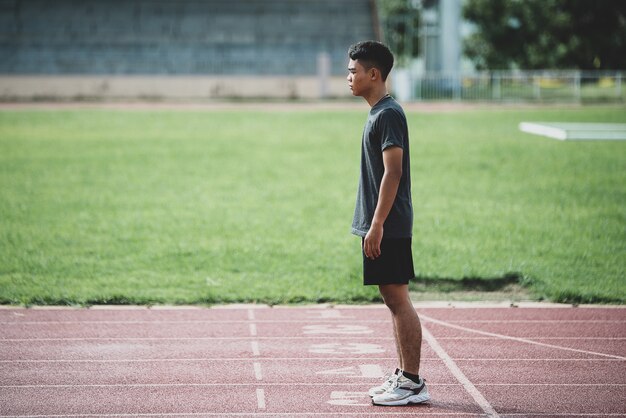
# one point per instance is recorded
(379, 390)
(403, 391)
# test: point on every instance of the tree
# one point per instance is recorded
(539, 34)
(400, 21)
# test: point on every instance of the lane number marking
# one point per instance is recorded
(363, 370)
(336, 329)
(348, 348)
(349, 399)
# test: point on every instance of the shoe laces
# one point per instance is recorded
(390, 378)
(394, 382)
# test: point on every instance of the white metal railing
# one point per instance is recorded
(513, 86)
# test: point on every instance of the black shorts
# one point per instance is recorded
(393, 266)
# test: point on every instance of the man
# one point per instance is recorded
(384, 217)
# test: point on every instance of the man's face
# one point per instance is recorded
(358, 78)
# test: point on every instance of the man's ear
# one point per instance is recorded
(374, 73)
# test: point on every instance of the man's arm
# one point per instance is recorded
(392, 161)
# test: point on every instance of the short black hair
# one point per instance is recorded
(373, 54)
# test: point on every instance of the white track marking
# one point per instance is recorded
(521, 340)
(349, 399)
(286, 321)
(190, 322)
(260, 398)
(352, 348)
(255, 348)
(371, 370)
(317, 337)
(349, 371)
(321, 414)
(617, 385)
(535, 359)
(537, 338)
(273, 359)
(336, 329)
(319, 384)
(565, 415)
(367, 371)
(454, 369)
(166, 360)
(327, 314)
(381, 338)
(291, 414)
(257, 371)
(537, 321)
(251, 315)
(253, 330)
(217, 385)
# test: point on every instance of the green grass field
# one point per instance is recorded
(103, 206)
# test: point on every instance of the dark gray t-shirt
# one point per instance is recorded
(386, 127)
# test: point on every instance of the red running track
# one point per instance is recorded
(311, 361)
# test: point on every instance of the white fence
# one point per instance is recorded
(517, 86)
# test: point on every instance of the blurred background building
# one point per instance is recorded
(180, 48)
(505, 50)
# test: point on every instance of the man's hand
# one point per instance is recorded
(371, 244)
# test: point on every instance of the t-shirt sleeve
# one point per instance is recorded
(392, 127)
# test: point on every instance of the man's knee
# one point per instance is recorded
(396, 297)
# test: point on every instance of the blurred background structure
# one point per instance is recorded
(508, 50)
(179, 48)
(496, 50)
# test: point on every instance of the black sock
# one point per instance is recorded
(413, 377)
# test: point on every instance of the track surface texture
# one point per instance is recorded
(310, 361)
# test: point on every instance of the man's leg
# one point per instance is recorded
(407, 327)
(408, 387)
(397, 341)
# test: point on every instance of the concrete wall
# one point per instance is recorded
(178, 48)
(89, 87)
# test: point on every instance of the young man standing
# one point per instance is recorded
(384, 217)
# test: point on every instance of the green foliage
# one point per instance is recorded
(553, 34)
(400, 21)
(241, 206)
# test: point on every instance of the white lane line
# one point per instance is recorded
(217, 385)
(454, 369)
(165, 360)
(617, 385)
(521, 340)
(253, 330)
(536, 338)
(260, 398)
(537, 321)
(257, 371)
(271, 359)
(321, 337)
(282, 414)
(516, 414)
(255, 348)
(190, 322)
(81, 339)
(251, 315)
(272, 384)
(536, 359)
